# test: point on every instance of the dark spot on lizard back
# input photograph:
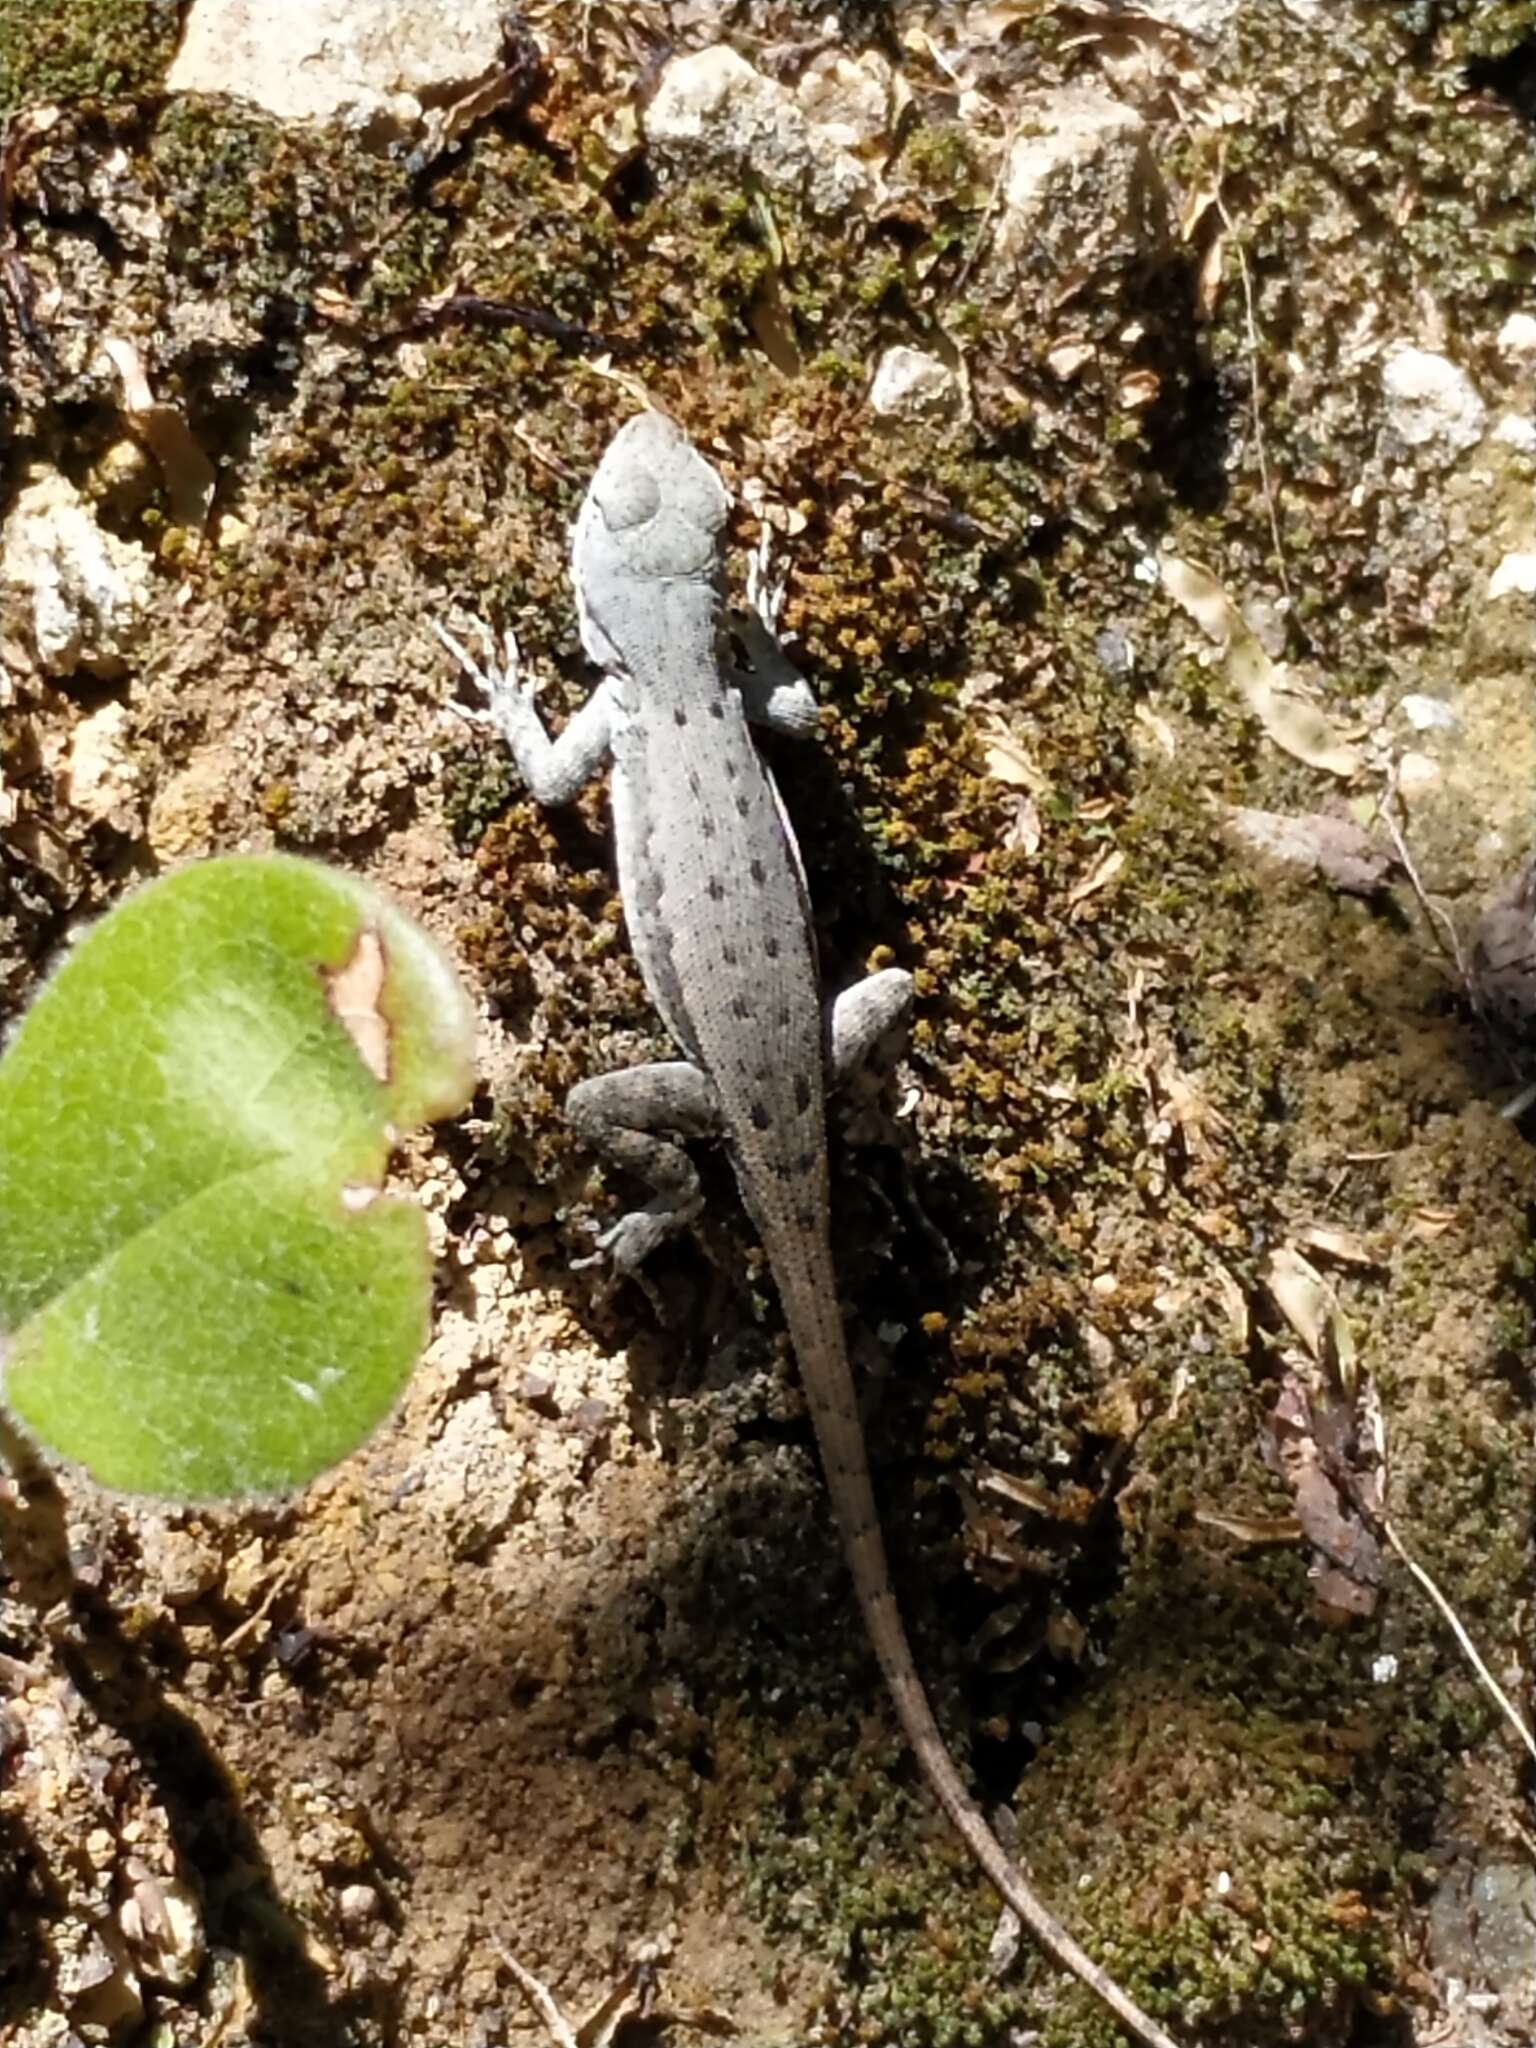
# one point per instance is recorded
(729, 954)
(717, 709)
(707, 826)
(732, 767)
(743, 804)
(716, 889)
(679, 715)
(770, 947)
(805, 1162)
(760, 1116)
(741, 1009)
(756, 869)
(802, 1092)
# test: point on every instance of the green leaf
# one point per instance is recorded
(203, 1292)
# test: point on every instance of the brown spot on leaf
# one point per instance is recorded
(353, 992)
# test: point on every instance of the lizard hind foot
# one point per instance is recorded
(622, 1250)
(627, 1244)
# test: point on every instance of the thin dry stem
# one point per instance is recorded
(1256, 396)
(1469, 1649)
(540, 1997)
(1440, 919)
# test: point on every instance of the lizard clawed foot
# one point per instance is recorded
(627, 1244)
(773, 690)
(765, 592)
(509, 704)
(756, 626)
(624, 1248)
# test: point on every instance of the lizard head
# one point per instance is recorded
(654, 508)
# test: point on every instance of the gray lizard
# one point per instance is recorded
(715, 902)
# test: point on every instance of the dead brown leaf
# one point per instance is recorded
(1065, 1636)
(1209, 281)
(1504, 949)
(1008, 760)
(1327, 1450)
(1017, 1492)
(1270, 691)
(1103, 871)
(1309, 1304)
(1347, 1246)
(189, 475)
(1025, 830)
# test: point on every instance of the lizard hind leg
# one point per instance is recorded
(634, 1119)
(868, 1025)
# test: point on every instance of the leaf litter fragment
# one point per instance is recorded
(632, 2002)
(1268, 688)
(1326, 1434)
(1318, 1442)
(190, 477)
(1106, 865)
(1332, 1242)
(1324, 1438)
(1009, 761)
(1253, 1531)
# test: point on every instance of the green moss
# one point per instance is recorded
(268, 214)
(478, 783)
(53, 50)
(941, 161)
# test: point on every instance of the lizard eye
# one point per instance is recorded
(626, 499)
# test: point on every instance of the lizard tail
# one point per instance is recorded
(816, 1331)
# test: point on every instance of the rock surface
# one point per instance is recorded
(1080, 185)
(78, 594)
(373, 63)
(715, 104)
(1432, 404)
(911, 383)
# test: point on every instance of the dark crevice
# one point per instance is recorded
(1510, 77)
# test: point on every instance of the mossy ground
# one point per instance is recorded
(87, 50)
(1227, 1802)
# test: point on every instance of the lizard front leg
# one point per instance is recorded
(552, 770)
(634, 1118)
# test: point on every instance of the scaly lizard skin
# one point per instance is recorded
(717, 913)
